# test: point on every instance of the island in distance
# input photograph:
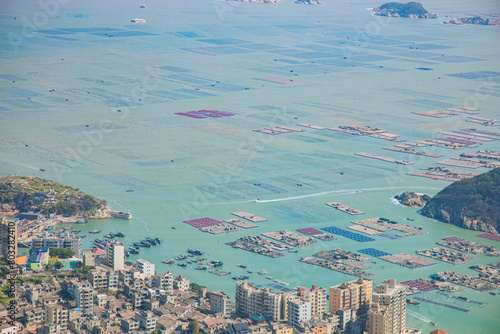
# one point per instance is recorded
(412, 10)
(481, 20)
(469, 203)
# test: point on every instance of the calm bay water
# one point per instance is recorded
(271, 65)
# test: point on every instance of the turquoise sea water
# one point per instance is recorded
(347, 67)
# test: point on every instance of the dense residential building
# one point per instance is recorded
(316, 296)
(181, 283)
(6, 328)
(353, 295)
(83, 293)
(220, 303)
(57, 315)
(146, 267)
(387, 313)
(299, 311)
(251, 301)
(146, 320)
(8, 234)
(115, 255)
(163, 281)
(67, 240)
(100, 279)
(34, 315)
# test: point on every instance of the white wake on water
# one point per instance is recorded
(346, 191)
(418, 316)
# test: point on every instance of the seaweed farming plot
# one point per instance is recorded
(446, 255)
(468, 246)
(435, 113)
(387, 159)
(443, 174)
(373, 252)
(240, 223)
(449, 301)
(489, 236)
(290, 238)
(351, 235)
(345, 208)
(259, 245)
(345, 268)
(219, 228)
(203, 113)
(248, 216)
(365, 130)
(422, 286)
(407, 260)
(202, 222)
(278, 130)
(385, 225)
(316, 233)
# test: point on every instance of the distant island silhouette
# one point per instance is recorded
(412, 10)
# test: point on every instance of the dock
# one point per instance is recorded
(373, 156)
(436, 113)
(345, 208)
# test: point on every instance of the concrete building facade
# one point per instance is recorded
(387, 313)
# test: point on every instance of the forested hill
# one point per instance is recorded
(32, 194)
(470, 203)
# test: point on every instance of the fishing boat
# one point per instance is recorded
(262, 272)
(181, 257)
(242, 266)
(195, 251)
(95, 231)
(181, 264)
(119, 234)
(171, 261)
(411, 302)
(217, 263)
(121, 215)
(432, 323)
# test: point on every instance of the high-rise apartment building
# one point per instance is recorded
(387, 313)
(355, 295)
(316, 296)
(299, 311)
(115, 255)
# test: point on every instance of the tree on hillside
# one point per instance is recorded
(193, 327)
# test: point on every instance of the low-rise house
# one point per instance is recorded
(168, 324)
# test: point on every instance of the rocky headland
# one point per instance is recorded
(20, 194)
(470, 203)
(412, 199)
(412, 10)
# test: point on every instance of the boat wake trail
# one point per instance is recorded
(345, 191)
(418, 316)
